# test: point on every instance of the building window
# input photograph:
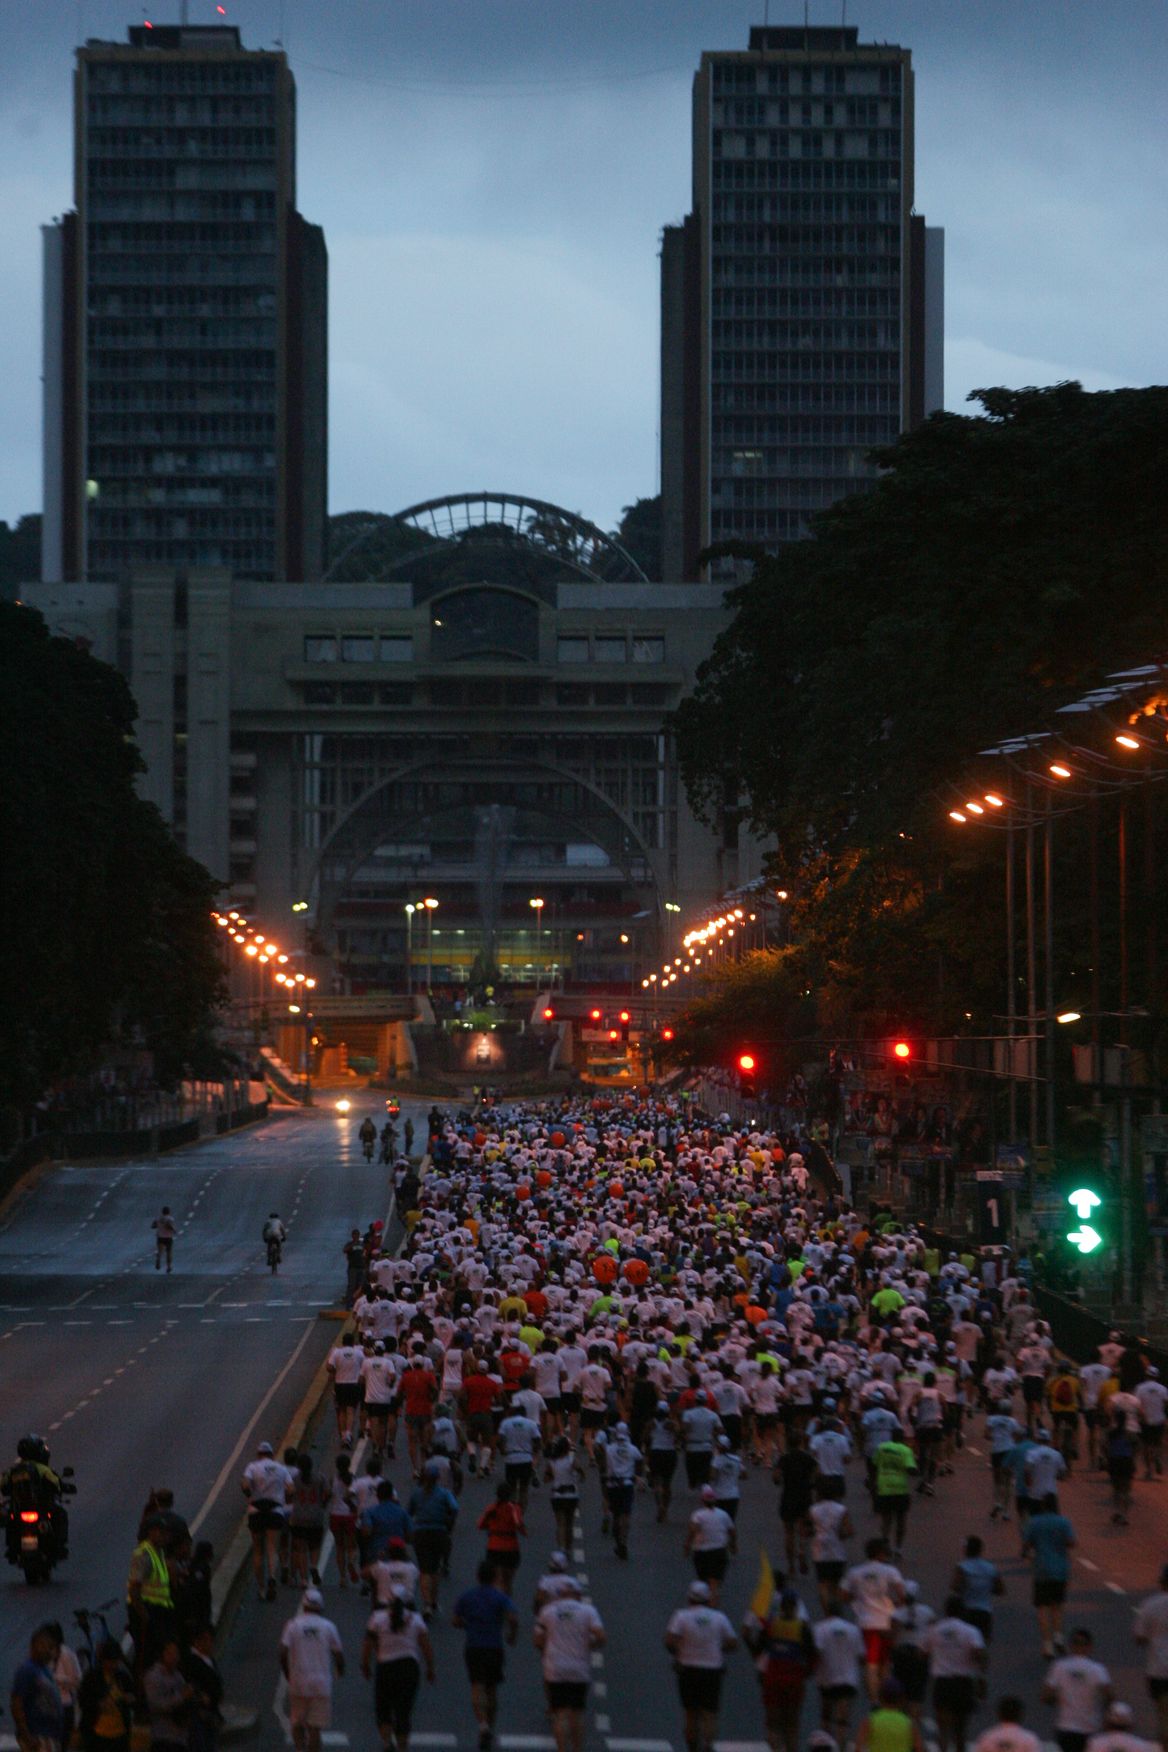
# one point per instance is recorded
(572, 650)
(320, 648)
(648, 650)
(397, 648)
(357, 648)
(317, 694)
(610, 650)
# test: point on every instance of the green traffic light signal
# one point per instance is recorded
(1085, 1238)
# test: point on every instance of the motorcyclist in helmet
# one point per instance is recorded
(31, 1483)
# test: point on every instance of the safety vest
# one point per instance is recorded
(156, 1588)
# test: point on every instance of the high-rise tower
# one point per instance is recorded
(802, 299)
(185, 369)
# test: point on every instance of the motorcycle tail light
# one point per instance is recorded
(30, 1515)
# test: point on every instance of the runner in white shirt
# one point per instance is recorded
(710, 1539)
(875, 1589)
(379, 1388)
(838, 1672)
(1008, 1734)
(1117, 1735)
(1153, 1397)
(1151, 1633)
(832, 1525)
(310, 1657)
(566, 1631)
(957, 1655)
(699, 1638)
(265, 1485)
(1079, 1687)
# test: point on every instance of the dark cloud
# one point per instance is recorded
(493, 176)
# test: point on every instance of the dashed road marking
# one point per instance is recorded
(1115, 1587)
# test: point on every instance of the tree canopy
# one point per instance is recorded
(1002, 564)
(108, 935)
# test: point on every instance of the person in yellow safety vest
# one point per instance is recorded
(150, 1595)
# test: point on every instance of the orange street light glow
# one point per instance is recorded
(1060, 771)
(994, 801)
(1127, 741)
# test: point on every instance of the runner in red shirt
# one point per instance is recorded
(419, 1390)
(481, 1394)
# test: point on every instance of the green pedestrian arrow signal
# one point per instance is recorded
(1083, 1201)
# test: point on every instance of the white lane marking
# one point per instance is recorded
(600, 1688)
(433, 1740)
(638, 1745)
(1087, 1564)
(525, 1742)
(596, 1659)
(232, 1460)
(1115, 1587)
(741, 1746)
(603, 1725)
(119, 1323)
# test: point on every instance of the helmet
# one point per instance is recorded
(33, 1448)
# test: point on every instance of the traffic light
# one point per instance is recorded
(595, 1015)
(549, 1014)
(614, 1034)
(902, 1050)
(747, 1070)
(625, 1023)
(1084, 1237)
(667, 1034)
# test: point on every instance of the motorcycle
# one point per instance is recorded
(34, 1538)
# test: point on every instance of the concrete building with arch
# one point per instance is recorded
(470, 707)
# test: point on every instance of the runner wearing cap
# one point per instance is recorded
(265, 1485)
(311, 1658)
(566, 1631)
(710, 1540)
(699, 1638)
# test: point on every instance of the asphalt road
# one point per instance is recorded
(140, 1379)
(633, 1706)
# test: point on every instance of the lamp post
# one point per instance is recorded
(537, 903)
(411, 909)
(431, 906)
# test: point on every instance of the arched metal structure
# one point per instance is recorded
(418, 796)
(560, 542)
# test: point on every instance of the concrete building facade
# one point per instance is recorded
(185, 305)
(801, 300)
(488, 732)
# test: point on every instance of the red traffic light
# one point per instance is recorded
(613, 1034)
(667, 1034)
(624, 1016)
(549, 1015)
(746, 1061)
(901, 1050)
(595, 1014)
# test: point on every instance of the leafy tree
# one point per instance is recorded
(20, 553)
(108, 932)
(639, 533)
(760, 1001)
(1003, 564)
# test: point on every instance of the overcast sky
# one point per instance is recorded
(492, 176)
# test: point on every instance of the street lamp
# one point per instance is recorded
(537, 904)
(431, 906)
(411, 909)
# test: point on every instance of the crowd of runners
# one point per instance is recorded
(643, 1310)
(648, 1309)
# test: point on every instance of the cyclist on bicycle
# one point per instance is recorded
(368, 1137)
(275, 1234)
